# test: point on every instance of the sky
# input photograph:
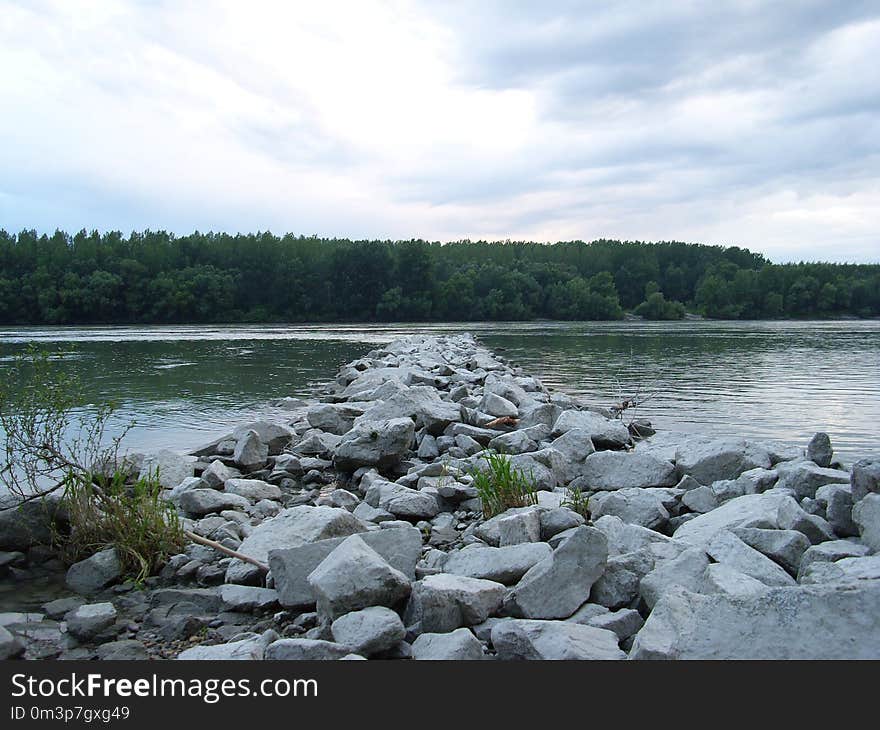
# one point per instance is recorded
(747, 123)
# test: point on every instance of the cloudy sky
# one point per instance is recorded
(744, 123)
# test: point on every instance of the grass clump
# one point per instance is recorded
(577, 501)
(502, 485)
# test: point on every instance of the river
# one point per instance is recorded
(184, 385)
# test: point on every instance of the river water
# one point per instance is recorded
(184, 385)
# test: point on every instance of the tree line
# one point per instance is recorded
(158, 277)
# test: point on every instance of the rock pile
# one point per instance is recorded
(363, 509)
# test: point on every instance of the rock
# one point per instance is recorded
(305, 650)
(633, 506)
(838, 503)
(727, 548)
(374, 443)
(750, 510)
(10, 646)
(609, 470)
(443, 602)
(574, 446)
(354, 576)
(247, 598)
(369, 631)
(411, 504)
(217, 474)
(802, 622)
(290, 528)
(686, 571)
(253, 647)
(428, 448)
(711, 461)
(624, 623)
(701, 499)
(558, 519)
(253, 489)
(458, 645)
(791, 517)
(804, 477)
(200, 502)
(553, 640)
(316, 443)
(90, 619)
(819, 450)
(515, 442)
(400, 547)
(624, 538)
(866, 515)
(275, 436)
(55, 610)
(250, 452)
(865, 478)
(722, 578)
(335, 418)
(785, 547)
(602, 431)
(497, 406)
(519, 528)
(587, 613)
(619, 585)
(830, 552)
(172, 468)
(123, 650)
(558, 585)
(92, 574)
(846, 570)
(502, 564)
(25, 524)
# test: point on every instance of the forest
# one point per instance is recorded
(158, 277)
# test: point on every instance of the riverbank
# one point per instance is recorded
(364, 509)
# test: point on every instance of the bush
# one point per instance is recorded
(502, 486)
(578, 502)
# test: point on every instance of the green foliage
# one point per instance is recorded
(656, 306)
(502, 486)
(108, 511)
(156, 277)
(577, 501)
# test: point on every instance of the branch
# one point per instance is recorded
(217, 546)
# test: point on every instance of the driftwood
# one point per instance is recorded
(503, 421)
(225, 550)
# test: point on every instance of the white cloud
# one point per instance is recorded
(750, 126)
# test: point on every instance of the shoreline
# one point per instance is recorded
(380, 472)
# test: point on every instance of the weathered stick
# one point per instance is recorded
(217, 546)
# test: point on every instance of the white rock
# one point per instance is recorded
(553, 640)
(458, 645)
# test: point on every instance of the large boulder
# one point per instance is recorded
(374, 443)
(246, 649)
(803, 622)
(750, 510)
(200, 502)
(443, 602)
(421, 404)
(553, 640)
(634, 506)
(602, 431)
(558, 585)
(250, 452)
(300, 650)
(25, 524)
(92, 574)
(275, 436)
(728, 549)
(865, 478)
(502, 564)
(785, 547)
(458, 645)
(172, 468)
(354, 576)
(401, 547)
(686, 570)
(290, 528)
(866, 515)
(369, 631)
(622, 469)
(714, 460)
(805, 477)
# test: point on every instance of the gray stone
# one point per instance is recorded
(305, 650)
(791, 517)
(368, 513)
(90, 619)
(624, 623)
(846, 570)
(609, 470)
(802, 622)
(250, 648)
(172, 468)
(558, 585)
(250, 452)
(123, 650)
(686, 570)
(819, 449)
(502, 564)
(633, 506)
(515, 442)
(495, 405)
(55, 610)
(558, 519)
(10, 645)
(354, 576)
(727, 548)
(553, 640)
(701, 499)
(253, 489)
(217, 473)
(200, 502)
(428, 448)
(516, 529)
(830, 552)
(619, 585)
(602, 431)
(374, 443)
(443, 602)
(804, 477)
(866, 515)
(92, 574)
(838, 503)
(710, 461)
(750, 510)
(247, 598)
(865, 478)
(785, 547)
(575, 446)
(625, 538)
(723, 578)
(275, 436)
(369, 631)
(400, 547)
(335, 418)
(458, 645)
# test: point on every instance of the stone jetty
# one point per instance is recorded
(364, 535)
